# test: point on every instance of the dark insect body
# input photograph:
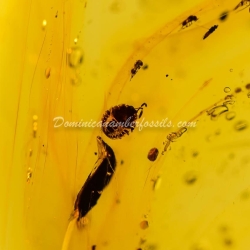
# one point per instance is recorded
(138, 64)
(120, 120)
(97, 180)
(211, 30)
(189, 21)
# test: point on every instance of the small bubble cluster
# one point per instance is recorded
(75, 57)
(35, 123)
(29, 175)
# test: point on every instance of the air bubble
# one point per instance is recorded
(35, 117)
(230, 115)
(29, 175)
(44, 24)
(75, 57)
(217, 111)
(227, 89)
(156, 183)
(241, 125)
(228, 241)
(35, 124)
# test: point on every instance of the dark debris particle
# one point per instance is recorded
(142, 241)
(223, 16)
(93, 247)
(95, 153)
(228, 241)
(152, 154)
(166, 75)
(145, 67)
(144, 224)
(248, 86)
(241, 125)
(151, 247)
(223, 228)
(195, 154)
(190, 178)
(237, 90)
(122, 162)
(245, 195)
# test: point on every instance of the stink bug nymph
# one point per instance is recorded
(120, 120)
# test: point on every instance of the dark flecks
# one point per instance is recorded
(195, 154)
(223, 16)
(248, 86)
(228, 241)
(237, 90)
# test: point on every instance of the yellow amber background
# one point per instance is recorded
(201, 200)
